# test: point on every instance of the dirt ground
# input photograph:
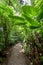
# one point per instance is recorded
(17, 57)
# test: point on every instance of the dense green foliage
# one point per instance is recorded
(22, 23)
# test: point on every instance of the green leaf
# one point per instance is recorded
(1, 59)
(41, 59)
(29, 10)
(33, 27)
(18, 20)
(33, 22)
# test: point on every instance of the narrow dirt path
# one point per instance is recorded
(17, 56)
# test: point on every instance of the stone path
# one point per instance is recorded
(17, 56)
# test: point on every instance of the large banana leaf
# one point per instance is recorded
(18, 20)
(6, 9)
(30, 11)
(40, 16)
(39, 5)
(33, 22)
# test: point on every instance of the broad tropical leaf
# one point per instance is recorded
(18, 20)
(33, 22)
(30, 11)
